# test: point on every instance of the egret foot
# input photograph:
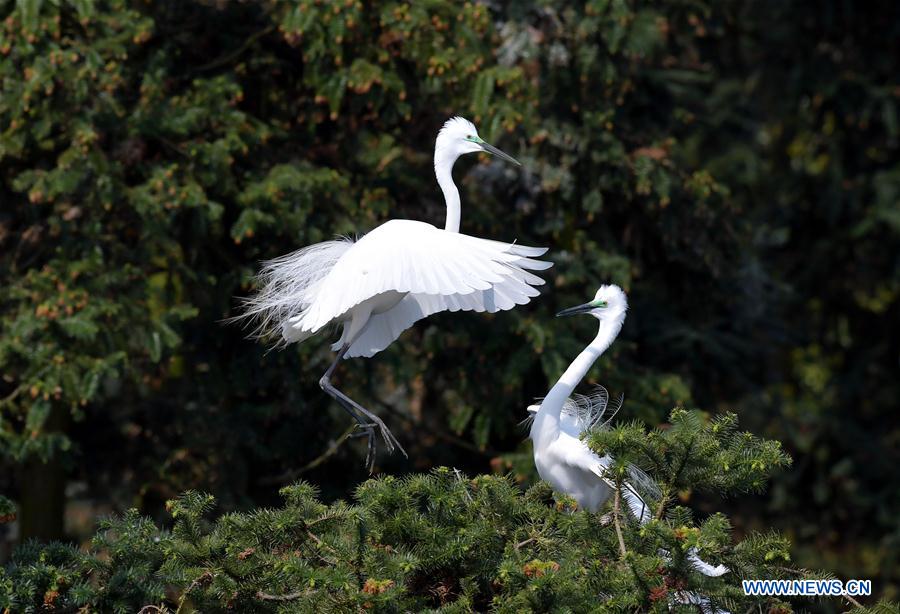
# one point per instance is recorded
(366, 420)
(368, 431)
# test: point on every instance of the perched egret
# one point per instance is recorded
(581, 413)
(402, 271)
(561, 457)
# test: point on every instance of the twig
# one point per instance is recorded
(668, 486)
(200, 579)
(322, 544)
(18, 390)
(662, 503)
(332, 449)
(524, 543)
(236, 53)
(687, 455)
(285, 597)
(12, 396)
(853, 601)
(618, 526)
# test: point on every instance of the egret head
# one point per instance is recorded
(609, 302)
(459, 136)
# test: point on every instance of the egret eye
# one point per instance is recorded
(598, 303)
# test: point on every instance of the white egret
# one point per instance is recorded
(402, 271)
(579, 414)
(561, 457)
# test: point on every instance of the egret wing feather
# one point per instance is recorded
(580, 456)
(414, 257)
(576, 454)
(384, 328)
(436, 270)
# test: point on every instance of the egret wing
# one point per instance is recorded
(416, 258)
(575, 453)
(384, 328)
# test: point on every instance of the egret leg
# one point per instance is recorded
(360, 423)
(366, 420)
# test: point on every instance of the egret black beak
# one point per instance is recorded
(573, 311)
(493, 150)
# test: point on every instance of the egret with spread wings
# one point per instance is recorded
(400, 272)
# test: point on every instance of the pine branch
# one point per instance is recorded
(204, 577)
(285, 597)
(677, 473)
(322, 544)
(524, 543)
(663, 501)
(616, 514)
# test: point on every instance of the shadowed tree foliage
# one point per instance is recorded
(732, 165)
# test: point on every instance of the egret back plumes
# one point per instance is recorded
(376, 287)
(286, 287)
(585, 411)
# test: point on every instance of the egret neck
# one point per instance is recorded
(443, 168)
(546, 421)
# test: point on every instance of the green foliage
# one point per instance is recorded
(691, 451)
(146, 183)
(426, 542)
(429, 542)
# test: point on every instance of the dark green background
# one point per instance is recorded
(733, 165)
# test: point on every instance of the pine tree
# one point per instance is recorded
(439, 541)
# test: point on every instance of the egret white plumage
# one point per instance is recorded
(561, 457)
(581, 413)
(400, 272)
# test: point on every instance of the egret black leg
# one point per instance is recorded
(357, 411)
(368, 430)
